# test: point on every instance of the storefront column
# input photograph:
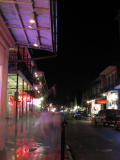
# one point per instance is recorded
(0, 85)
(3, 80)
(22, 97)
(6, 42)
(26, 102)
(17, 97)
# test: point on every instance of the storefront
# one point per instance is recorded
(94, 108)
(18, 96)
(112, 98)
(96, 105)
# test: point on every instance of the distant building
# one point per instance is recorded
(104, 92)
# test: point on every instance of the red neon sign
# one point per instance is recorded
(24, 97)
(101, 101)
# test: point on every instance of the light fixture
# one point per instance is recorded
(88, 102)
(31, 25)
(36, 44)
(36, 75)
(32, 18)
(36, 88)
(104, 94)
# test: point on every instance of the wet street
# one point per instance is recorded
(92, 143)
(29, 138)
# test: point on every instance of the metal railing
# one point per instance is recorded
(63, 125)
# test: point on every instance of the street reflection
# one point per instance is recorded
(22, 152)
(32, 137)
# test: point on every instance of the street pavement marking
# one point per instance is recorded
(69, 152)
(104, 150)
(108, 139)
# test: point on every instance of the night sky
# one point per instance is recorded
(88, 41)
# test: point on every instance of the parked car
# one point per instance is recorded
(107, 117)
(117, 124)
(78, 115)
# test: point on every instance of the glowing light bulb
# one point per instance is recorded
(32, 18)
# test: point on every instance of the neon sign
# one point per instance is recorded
(22, 97)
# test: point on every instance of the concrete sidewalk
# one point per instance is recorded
(24, 140)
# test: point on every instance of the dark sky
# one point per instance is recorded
(87, 43)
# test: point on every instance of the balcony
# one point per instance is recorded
(18, 64)
(23, 68)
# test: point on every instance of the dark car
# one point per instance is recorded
(107, 117)
(117, 125)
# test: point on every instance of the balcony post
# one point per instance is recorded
(22, 96)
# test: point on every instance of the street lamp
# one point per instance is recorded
(42, 98)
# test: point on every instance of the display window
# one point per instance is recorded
(17, 94)
(112, 98)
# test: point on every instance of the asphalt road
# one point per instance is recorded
(92, 143)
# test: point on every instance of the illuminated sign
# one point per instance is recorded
(101, 101)
(22, 97)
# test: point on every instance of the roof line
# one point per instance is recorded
(38, 28)
(3, 1)
(46, 57)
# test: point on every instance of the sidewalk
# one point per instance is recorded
(24, 140)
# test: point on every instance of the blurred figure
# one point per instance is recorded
(45, 121)
(57, 120)
(48, 128)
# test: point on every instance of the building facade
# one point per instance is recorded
(41, 90)
(104, 92)
(20, 82)
(6, 41)
(22, 26)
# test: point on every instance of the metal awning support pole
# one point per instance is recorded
(17, 97)
(22, 96)
(62, 140)
(26, 103)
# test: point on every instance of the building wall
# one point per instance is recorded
(0, 82)
(107, 86)
(6, 41)
(109, 77)
(3, 79)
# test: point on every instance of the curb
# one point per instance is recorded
(70, 156)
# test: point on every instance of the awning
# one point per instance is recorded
(41, 31)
